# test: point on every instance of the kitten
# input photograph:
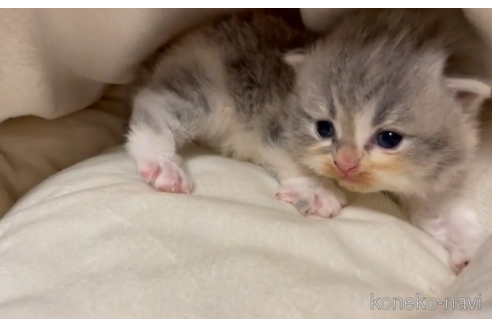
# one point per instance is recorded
(386, 100)
(228, 86)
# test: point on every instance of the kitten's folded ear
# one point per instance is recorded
(295, 58)
(470, 93)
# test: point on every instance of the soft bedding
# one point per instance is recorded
(94, 241)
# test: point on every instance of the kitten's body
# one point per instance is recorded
(226, 85)
(239, 86)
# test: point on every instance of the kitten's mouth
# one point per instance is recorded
(347, 178)
(354, 183)
(350, 183)
(353, 186)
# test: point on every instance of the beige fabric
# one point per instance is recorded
(96, 242)
(32, 148)
(56, 61)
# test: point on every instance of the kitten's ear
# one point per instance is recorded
(470, 93)
(295, 58)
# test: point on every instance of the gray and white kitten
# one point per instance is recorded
(385, 100)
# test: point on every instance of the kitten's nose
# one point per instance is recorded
(346, 167)
(347, 159)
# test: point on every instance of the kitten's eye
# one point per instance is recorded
(325, 129)
(388, 139)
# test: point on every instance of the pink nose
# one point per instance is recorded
(346, 167)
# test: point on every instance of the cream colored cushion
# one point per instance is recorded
(94, 241)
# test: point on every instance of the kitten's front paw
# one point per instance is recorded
(463, 245)
(166, 175)
(459, 261)
(313, 200)
(456, 227)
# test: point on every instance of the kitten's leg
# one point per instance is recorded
(311, 197)
(162, 122)
(308, 195)
(453, 223)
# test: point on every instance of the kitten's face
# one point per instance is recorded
(400, 130)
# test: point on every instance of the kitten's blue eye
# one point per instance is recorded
(388, 139)
(325, 129)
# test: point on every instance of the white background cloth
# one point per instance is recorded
(54, 62)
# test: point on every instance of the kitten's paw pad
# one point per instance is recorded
(459, 262)
(463, 240)
(167, 176)
(149, 171)
(311, 201)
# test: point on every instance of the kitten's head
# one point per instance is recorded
(377, 122)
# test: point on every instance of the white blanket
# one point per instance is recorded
(96, 241)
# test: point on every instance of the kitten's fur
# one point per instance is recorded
(253, 86)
